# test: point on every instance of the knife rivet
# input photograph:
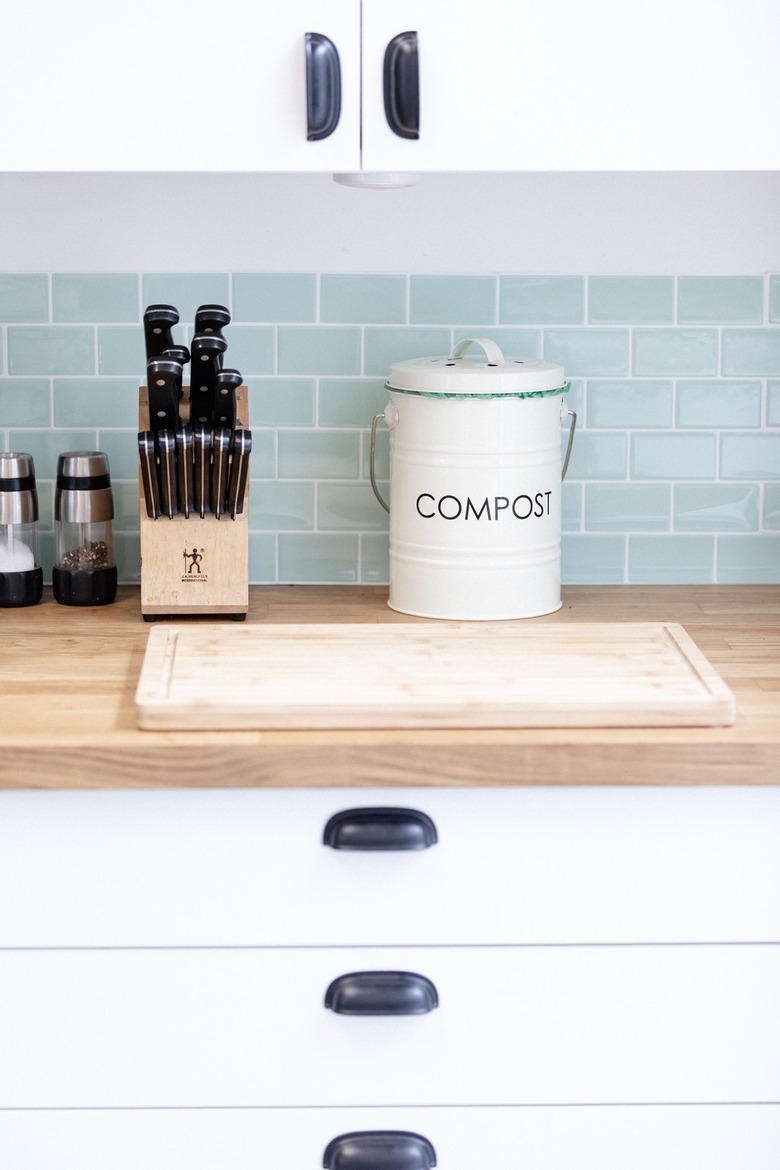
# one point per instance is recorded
(204, 357)
(160, 382)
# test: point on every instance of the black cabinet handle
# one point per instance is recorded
(380, 828)
(323, 86)
(380, 1149)
(402, 86)
(381, 993)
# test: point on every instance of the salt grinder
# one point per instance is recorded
(84, 571)
(21, 575)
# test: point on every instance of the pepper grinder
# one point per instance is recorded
(21, 575)
(84, 571)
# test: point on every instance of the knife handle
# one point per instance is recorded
(166, 449)
(158, 323)
(163, 382)
(219, 470)
(239, 471)
(206, 352)
(211, 319)
(178, 353)
(201, 448)
(184, 468)
(146, 452)
(227, 382)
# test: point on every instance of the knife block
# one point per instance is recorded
(195, 565)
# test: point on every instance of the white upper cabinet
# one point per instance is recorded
(480, 85)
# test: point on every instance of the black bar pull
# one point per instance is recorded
(380, 829)
(402, 85)
(379, 1149)
(381, 993)
(323, 86)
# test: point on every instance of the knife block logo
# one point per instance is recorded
(193, 565)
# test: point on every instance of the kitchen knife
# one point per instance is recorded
(148, 457)
(239, 471)
(178, 353)
(163, 380)
(206, 353)
(226, 384)
(211, 319)
(220, 459)
(159, 320)
(201, 451)
(184, 468)
(166, 450)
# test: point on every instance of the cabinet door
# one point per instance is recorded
(161, 86)
(564, 85)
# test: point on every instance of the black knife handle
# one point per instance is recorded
(379, 829)
(219, 470)
(379, 1149)
(166, 450)
(159, 320)
(206, 354)
(201, 448)
(381, 993)
(211, 319)
(226, 384)
(163, 380)
(239, 471)
(148, 459)
(184, 468)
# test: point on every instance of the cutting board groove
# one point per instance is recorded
(427, 674)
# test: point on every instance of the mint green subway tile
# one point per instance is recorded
(262, 558)
(772, 506)
(670, 560)
(618, 300)
(363, 300)
(627, 507)
(675, 351)
(98, 402)
(51, 349)
(126, 510)
(514, 343)
(720, 299)
(25, 402)
(749, 560)
(350, 402)
(598, 456)
(121, 447)
(186, 291)
(751, 351)
(374, 559)
(45, 502)
(262, 462)
(318, 557)
(127, 552)
(773, 404)
(629, 404)
(716, 507)
(348, 506)
(442, 300)
(274, 296)
(381, 456)
(383, 346)
(541, 300)
(592, 560)
(95, 298)
(319, 349)
(24, 297)
(774, 298)
(250, 349)
(281, 402)
(319, 454)
(584, 352)
(279, 506)
(670, 456)
(121, 350)
(718, 404)
(46, 446)
(750, 456)
(571, 507)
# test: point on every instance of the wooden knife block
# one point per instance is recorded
(196, 565)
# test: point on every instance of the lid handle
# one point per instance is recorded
(493, 352)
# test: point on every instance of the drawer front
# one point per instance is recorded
(222, 868)
(744, 1137)
(514, 1026)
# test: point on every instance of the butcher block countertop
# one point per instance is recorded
(69, 678)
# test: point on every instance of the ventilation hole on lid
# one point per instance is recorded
(518, 362)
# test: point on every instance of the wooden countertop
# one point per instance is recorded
(67, 716)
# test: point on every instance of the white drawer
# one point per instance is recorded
(515, 1026)
(743, 1137)
(232, 867)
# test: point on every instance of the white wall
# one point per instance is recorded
(542, 223)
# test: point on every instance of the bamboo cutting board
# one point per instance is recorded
(427, 674)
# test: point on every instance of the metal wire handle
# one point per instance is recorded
(372, 453)
(565, 467)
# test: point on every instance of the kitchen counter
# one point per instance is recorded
(67, 717)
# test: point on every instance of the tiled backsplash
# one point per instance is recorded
(675, 472)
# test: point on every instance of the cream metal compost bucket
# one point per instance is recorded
(475, 484)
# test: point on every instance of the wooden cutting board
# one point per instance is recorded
(428, 674)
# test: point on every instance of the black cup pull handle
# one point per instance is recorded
(402, 85)
(381, 993)
(323, 86)
(380, 829)
(379, 1149)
